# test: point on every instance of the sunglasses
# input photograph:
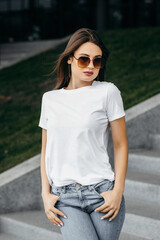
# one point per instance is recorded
(83, 62)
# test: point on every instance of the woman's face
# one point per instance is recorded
(90, 50)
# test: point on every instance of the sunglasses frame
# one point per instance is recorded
(90, 61)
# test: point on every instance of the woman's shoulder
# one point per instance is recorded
(110, 86)
(50, 93)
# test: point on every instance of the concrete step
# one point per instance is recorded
(142, 208)
(4, 236)
(154, 141)
(29, 225)
(142, 220)
(35, 224)
(142, 186)
(143, 227)
(147, 161)
(127, 236)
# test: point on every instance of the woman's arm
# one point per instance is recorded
(49, 198)
(44, 178)
(119, 137)
(113, 197)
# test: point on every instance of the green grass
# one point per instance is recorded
(133, 66)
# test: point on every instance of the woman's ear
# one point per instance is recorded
(69, 61)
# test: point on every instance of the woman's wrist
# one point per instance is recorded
(118, 190)
(45, 193)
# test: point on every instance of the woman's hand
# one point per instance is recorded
(112, 203)
(49, 201)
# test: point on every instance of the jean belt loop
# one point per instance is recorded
(51, 182)
(63, 189)
(90, 187)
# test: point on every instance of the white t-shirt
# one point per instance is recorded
(77, 132)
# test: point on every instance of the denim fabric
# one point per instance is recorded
(78, 203)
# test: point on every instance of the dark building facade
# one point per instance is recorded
(22, 20)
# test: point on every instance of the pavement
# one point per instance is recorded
(12, 53)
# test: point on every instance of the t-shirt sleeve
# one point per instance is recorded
(43, 114)
(114, 103)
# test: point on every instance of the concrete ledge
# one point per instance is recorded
(142, 120)
(19, 170)
(20, 187)
(143, 107)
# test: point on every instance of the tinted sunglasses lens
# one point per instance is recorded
(83, 62)
(98, 62)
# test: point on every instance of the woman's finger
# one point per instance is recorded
(114, 215)
(108, 214)
(54, 219)
(59, 212)
(106, 209)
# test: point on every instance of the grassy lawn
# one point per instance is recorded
(133, 66)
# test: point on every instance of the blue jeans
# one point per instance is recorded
(78, 203)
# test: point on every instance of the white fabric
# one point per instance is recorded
(77, 132)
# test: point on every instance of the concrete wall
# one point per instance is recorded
(20, 186)
(138, 131)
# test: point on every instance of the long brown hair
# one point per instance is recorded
(81, 36)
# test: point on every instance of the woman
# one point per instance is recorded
(76, 175)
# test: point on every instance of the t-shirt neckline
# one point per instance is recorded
(77, 89)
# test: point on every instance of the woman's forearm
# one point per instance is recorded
(120, 167)
(44, 178)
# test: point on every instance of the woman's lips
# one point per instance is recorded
(88, 73)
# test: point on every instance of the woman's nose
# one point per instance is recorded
(91, 64)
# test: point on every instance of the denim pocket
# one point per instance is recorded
(56, 191)
(103, 186)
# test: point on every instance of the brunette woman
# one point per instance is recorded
(76, 174)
